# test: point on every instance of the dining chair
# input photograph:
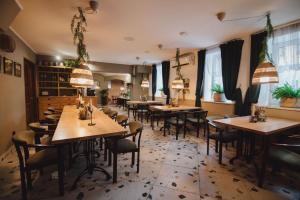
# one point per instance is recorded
(196, 118)
(122, 120)
(142, 111)
(124, 145)
(47, 156)
(113, 114)
(176, 119)
(106, 110)
(220, 135)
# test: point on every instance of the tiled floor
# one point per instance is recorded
(169, 169)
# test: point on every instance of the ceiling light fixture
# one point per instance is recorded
(266, 72)
(221, 17)
(58, 57)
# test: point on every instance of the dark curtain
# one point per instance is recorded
(154, 75)
(231, 53)
(252, 93)
(200, 76)
(165, 77)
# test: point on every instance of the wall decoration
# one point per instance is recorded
(17, 69)
(8, 66)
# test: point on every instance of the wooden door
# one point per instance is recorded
(30, 91)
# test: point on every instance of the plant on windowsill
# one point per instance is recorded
(161, 92)
(287, 95)
(218, 93)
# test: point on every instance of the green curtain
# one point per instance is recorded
(165, 77)
(200, 76)
(154, 77)
(252, 93)
(231, 53)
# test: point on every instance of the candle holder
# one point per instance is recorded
(90, 109)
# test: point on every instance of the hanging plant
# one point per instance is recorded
(78, 28)
(264, 54)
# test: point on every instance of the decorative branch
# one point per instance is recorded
(78, 28)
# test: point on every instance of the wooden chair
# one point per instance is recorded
(124, 145)
(113, 114)
(220, 136)
(122, 120)
(196, 118)
(47, 156)
(286, 154)
(142, 111)
(176, 119)
(106, 110)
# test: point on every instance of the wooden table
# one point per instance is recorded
(71, 129)
(266, 129)
(167, 108)
(122, 101)
(136, 102)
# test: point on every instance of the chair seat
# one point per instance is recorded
(226, 137)
(194, 120)
(173, 121)
(42, 158)
(285, 156)
(123, 146)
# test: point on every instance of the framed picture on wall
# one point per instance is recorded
(8, 65)
(17, 69)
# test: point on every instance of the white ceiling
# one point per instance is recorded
(45, 25)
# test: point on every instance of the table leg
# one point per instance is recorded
(60, 170)
(220, 146)
(266, 146)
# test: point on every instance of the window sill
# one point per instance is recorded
(224, 102)
(279, 108)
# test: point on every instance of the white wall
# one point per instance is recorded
(12, 90)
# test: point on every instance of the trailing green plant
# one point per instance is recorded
(217, 88)
(286, 91)
(264, 54)
(71, 63)
(78, 28)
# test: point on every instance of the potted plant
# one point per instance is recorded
(161, 92)
(287, 95)
(104, 96)
(218, 93)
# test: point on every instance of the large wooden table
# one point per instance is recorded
(267, 129)
(167, 108)
(71, 129)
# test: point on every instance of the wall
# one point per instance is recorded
(110, 67)
(12, 90)
(115, 88)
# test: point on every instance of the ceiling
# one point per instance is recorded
(45, 26)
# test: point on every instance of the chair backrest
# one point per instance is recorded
(122, 120)
(21, 140)
(48, 112)
(106, 110)
(113, 114)
(136, 128)
(142, 107)
(200, 114)
(53, 118)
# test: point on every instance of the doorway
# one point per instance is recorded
(30, 91)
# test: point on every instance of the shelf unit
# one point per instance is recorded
(54, 81)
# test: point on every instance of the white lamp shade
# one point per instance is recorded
(265, 73)
(145, 84)
(82, 77)
(177, 84)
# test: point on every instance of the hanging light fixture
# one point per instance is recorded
(82, 77)
(145, 82)
(178, 82)
(265, 72)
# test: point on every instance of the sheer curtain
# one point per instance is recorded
(285, 52)
(212, 72)
(159, 82)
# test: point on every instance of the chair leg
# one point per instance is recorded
(115, 167)
(198, 129)
(207, 146)
(220, 152)
(177, 132)
(23, 184)
(217, 146)
(132, 159)
(29, 181)
(138, 162)
(105, 153)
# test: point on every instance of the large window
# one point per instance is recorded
(159, 82)
(213, 72)
(285, 52)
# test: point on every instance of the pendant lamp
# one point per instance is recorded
(265, 72)
(82, 77)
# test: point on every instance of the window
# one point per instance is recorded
(159, 82)
(284, 49)
(212, 72)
